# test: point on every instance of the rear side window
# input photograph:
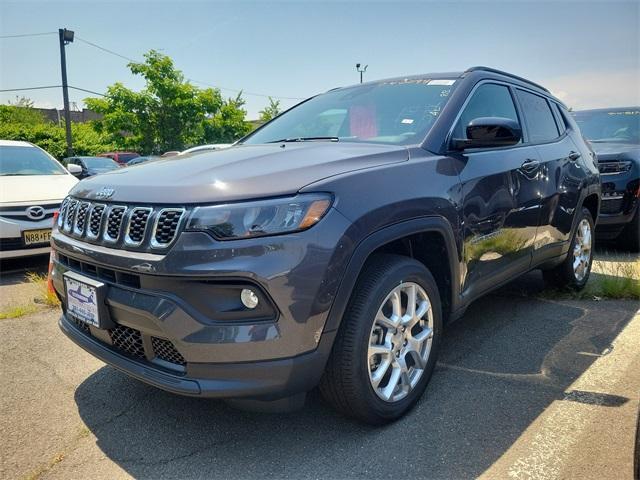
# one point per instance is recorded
(489, 100)
(542, 125)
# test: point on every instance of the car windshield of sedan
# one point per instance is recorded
(619, 125)
(393, 112)
(16, 161)
(100, 162)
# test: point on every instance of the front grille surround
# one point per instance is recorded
(166, 226)
(137, 226)
(80, 220)
(94, 226)
(126, 226)
(115, 218)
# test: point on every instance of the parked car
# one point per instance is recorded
(92, 165)
(614, 134)
(205, 148)
(121, 157)
(331, 245)
(171, 153)
(143, 159)
(32, 185)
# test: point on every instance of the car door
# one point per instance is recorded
(561, 173)
(500, 201)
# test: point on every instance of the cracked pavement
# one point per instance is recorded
(525, 388)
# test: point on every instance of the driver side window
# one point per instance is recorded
(489, 100)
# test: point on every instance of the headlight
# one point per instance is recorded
(260, 218)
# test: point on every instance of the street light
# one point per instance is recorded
(66, 37)
(361, 70)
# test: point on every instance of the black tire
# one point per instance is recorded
(345, 383)
(563, 275)
(629, 239)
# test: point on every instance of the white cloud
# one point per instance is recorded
(597, 89)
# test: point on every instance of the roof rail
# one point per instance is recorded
(507, 74)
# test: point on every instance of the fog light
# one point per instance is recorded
(249, 298)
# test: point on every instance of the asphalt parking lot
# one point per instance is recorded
(526, 387)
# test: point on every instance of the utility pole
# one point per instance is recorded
(361, 70)
(66, 36)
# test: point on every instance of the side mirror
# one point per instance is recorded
(489, 132)
(75, 170)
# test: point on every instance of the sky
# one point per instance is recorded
(587, 53)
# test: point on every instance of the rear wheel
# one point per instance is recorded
(574, 271)
(388, 341)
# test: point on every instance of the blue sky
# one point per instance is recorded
(588, 53)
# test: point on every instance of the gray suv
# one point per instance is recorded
(330, 246)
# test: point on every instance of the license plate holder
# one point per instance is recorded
(86, 300)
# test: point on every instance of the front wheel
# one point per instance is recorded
(388, 341)
(574, 271)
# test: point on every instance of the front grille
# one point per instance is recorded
(100, 273)
(165, 350)
(20, 212)
(81, 218)
(114, 223)
(167, 225)
(612, 167)
(611, 206)
(127, 339)
(95, 220)
(144, 227)
(138, 225)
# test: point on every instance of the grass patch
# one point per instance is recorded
(44, 296)
(615, 279)
(17, 311)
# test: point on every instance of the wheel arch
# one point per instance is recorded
(401, 236)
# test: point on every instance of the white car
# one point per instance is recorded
(32, 186)
(203, 148)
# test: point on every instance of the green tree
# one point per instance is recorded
(169, 113)
(270, 111)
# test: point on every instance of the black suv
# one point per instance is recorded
(615, 136)
(331, 245)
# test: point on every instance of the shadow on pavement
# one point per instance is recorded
(13, 270)
(501, 365)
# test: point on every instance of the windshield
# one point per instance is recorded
(619, 125)
(27, 161)
(100, 162)
(396, 113)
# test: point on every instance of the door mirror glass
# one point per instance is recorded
(489, 132)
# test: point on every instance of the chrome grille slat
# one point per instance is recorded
(166, 227)
(137, 226)
(81, 218)
(95, 220)
(70, 215)
(113, 223)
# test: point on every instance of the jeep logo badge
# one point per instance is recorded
(35, 212)
(105, 193)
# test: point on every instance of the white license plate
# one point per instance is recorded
(34, 237)
(82, 301)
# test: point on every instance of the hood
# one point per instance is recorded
(237, 173)
(608, 151)
(35, 188)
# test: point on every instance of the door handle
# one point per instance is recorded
(530, 165)
(573, 156)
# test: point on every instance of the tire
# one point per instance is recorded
(348, 380)
(629, 239)
(565, 275)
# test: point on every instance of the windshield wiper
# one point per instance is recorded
(305, 139)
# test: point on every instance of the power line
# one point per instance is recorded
(189, 79)
(20, 35)
(29, 88)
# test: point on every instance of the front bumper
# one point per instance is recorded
(267, 380)
(620, 199)
(175, 329)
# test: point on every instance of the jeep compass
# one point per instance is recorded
(330, 246)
